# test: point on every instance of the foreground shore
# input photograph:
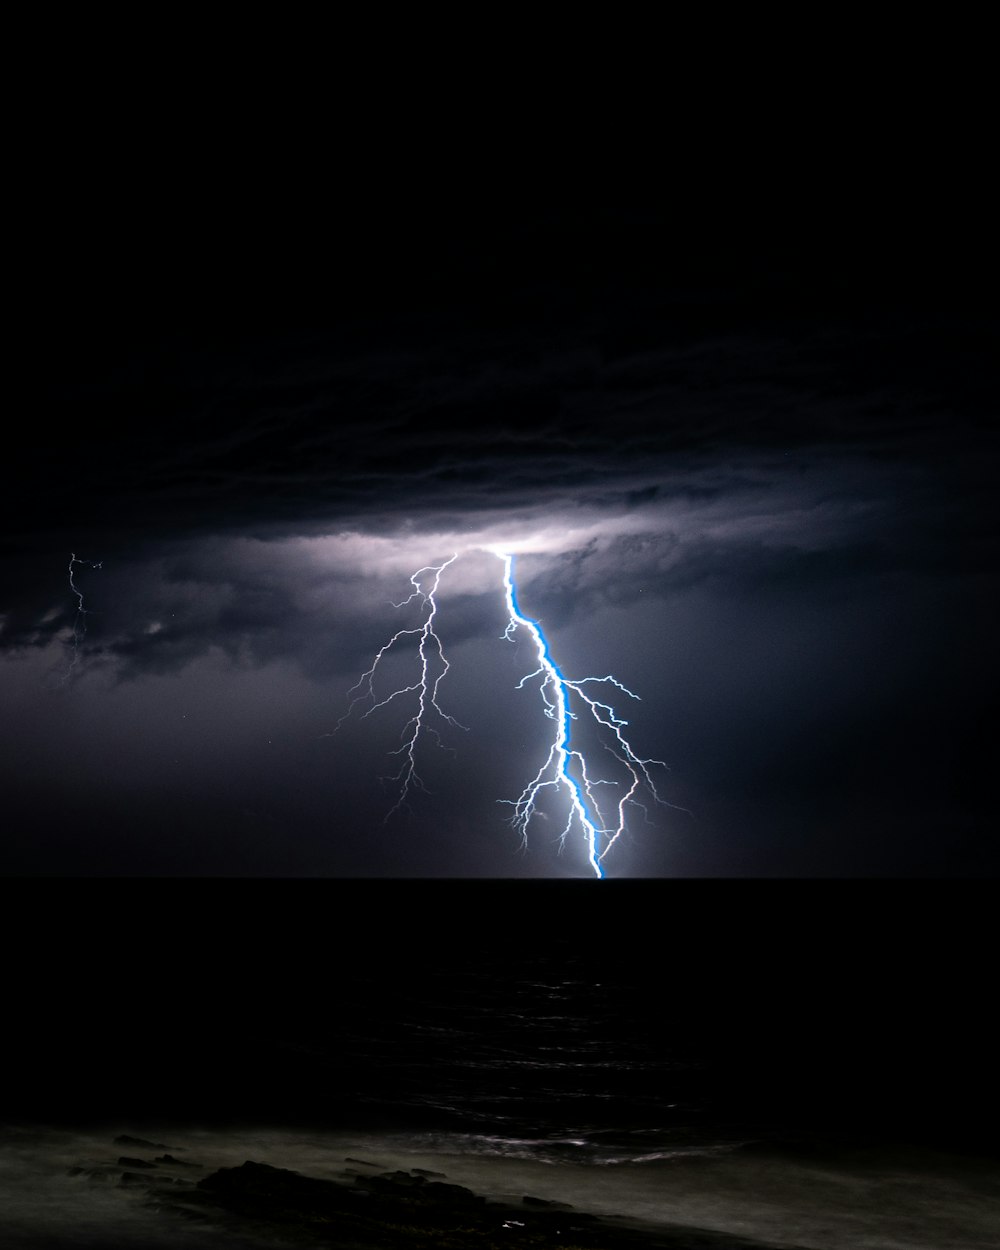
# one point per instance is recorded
(183, 1186)
(367, 1208)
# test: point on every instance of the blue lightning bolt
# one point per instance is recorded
(80, 618)
(557, 769)
(564, 700)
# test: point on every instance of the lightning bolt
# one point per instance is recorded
(80, 617)
(557, 770)
(564, 769)
(431, 655)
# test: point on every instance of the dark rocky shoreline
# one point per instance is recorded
(369, 1208)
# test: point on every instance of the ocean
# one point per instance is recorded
(807, 1064)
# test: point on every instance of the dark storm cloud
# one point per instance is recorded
(684, 396)
(327, 603)
(797, 523)
(573, 362)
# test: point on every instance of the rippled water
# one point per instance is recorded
(498, 1050)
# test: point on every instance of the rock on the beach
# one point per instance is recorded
(418, 1189)
(102, 1173)
(400, 1211)
(440, 1191)
(129, 1179)
(263, 1183)
(141, 1143)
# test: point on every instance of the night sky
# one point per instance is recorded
(737, 424)
(721, 378)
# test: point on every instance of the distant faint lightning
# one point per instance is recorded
(565, 766)
(425, 687)
(80, 618)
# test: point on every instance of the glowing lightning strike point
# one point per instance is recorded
(424, 687)
(555, 689)
(80, 619)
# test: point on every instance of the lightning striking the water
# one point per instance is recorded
(557, 771)
(80, 618)
(565, 768)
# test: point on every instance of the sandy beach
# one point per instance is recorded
(246, 1189)
(133, 1192)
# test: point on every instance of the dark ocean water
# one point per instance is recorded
(810, 1064)
(632, 1017)
(539, 1052)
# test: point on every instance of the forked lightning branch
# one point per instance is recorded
(565, 770)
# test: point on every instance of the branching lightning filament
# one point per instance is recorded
(80, 617)
(565, 768)
(426, 687)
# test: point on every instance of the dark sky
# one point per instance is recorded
(737, 423)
